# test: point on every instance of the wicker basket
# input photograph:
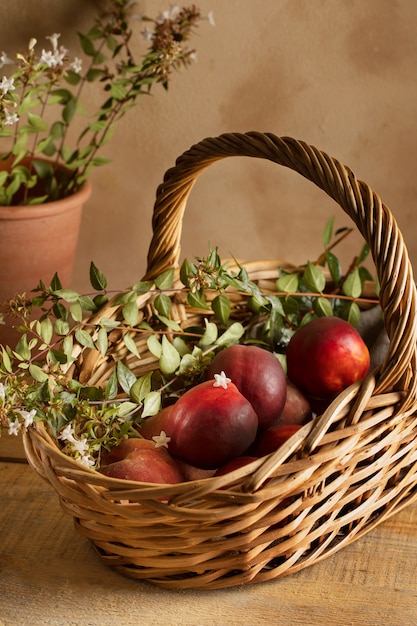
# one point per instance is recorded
(336, 479)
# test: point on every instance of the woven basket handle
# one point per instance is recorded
(372, 218)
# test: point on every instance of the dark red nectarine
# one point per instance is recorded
(258, 375)
(325, 356)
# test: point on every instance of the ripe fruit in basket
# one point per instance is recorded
(272, 438)
(210, 424)
(297, 408)
(141, 460)
(325, 356)
(258, 375)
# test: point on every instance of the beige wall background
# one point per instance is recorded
(339, 74)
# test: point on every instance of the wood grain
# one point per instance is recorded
(51, 575)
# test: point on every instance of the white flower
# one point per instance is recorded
(28, 417)
(169, 14)
(77, 65)
(2, 391)
(54, 40)
(80, 445)
(161, 440)
(67, 434)
(6, 85)
(147, 34)
(210, 19)
(5, 60)
(85, 460)
(221, 380)
(14, 427)
(10, 119)
(53, 59)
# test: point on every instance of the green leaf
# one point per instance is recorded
(210, 335)
(76, 312)
(350, 312)
(84, 338)
(125, 376)
(288, 283)
(328, 232)
(68, 295)
(322, 307)
(222, 307)
(169, 323)
(314, 278)
(334, 266)
(131, 345)
(352, 286)
(37, 122)
(61, 327)
(111, 386)
(363, 254)
(97, 278)
(197, 300)
(154, 346)
(141, 388)
(22, 348)
(87, 45)
(37, 373)
(46, 330)
(152, 404)
(231, 335)
(125, 408)
(169, 360)
(130, 313)
(102, 341)
(69, 110)
(7, 364)
(163, 304)
(165, 280)
(187, 270)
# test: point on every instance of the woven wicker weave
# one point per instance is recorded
(333, 481)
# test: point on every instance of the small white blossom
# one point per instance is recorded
(85, 460)
(161, 440)
(32, 43)
(147, 34)
(2, 391)
(80, 445)
(169, 14)
(7, 85)
(67, 434)
(5, 60)
(14, 427)
(210, 19)
(10, 118)
(54, 40)
(28, 417)
(77, 65)
(221, 380)
(53, 59)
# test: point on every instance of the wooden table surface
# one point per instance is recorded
(50, 575)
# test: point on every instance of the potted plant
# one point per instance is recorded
(50, 142)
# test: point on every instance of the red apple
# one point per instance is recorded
(297, 409)
(141, 460)
(258, 375)
(325, 356)
(190, 472)
(271, 439)
(209, 425)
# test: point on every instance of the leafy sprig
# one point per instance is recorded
(39, 376)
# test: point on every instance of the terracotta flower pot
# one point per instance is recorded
(35, 242)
